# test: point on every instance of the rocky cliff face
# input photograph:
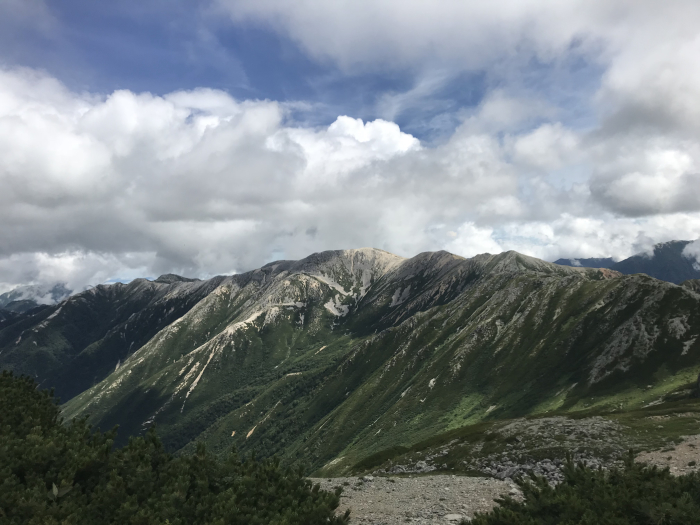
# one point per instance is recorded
(346, 353)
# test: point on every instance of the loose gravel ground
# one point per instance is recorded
(442, 499)
(420, 499)
(680, 459)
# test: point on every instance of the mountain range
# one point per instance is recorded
(344, 354)
(668, 261)
(24, 298)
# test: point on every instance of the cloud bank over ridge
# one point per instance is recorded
(102, 186)
(198, 183)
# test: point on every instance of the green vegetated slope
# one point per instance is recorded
(77, 343)
(337, 357)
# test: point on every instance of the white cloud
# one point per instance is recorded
(641, 176)
(389, 33)
(76, 269)
(96, 188)
(347, 145)
(199, 183)
(604, 235)
(549, 147)
(470, 240)
(692, 252)
(644, 56)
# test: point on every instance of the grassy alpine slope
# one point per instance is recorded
(340, 356)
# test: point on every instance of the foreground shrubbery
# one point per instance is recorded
(52, 473)
(634, 495)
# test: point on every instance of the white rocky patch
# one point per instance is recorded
(335, 307)
(335, 461)
(196, 381)
(271, 315)
(678, 326)
(187, 377)
(233, 328)
(269, 413)
(189, 362)
(634, 335)
(45, 322)
(366, 282)
(688, 344)
(400, 296)
(330, 282)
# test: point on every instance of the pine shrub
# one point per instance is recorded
(636, 494)
(55, 473)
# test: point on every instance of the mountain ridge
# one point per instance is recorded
(345, 353)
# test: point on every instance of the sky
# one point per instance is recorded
(210, 137)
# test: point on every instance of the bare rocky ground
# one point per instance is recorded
(445, 499)
(405, 492)
(680, 459)
(441, 499)
(536, 447)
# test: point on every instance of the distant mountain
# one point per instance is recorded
(24, 298)
(594, 262)
(341, 355)
(667, 262)
(73, 345)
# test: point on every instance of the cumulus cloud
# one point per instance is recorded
(389, 33)
(657, 180)
(199, 183)
(637, 129)
(195, 182)
(692, 252)
(547, 148)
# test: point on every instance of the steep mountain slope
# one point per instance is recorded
(667, 263)
(343, 354)
(78, 342)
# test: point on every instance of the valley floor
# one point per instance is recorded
(418, 499)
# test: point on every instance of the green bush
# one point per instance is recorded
(51, 473)
(634, 495)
